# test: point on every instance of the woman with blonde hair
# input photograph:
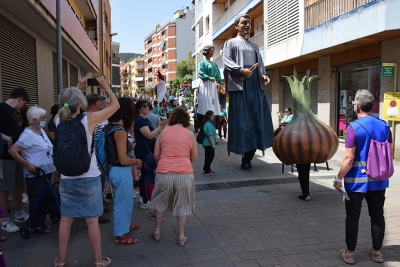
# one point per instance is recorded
(81, 195)
(174, 184)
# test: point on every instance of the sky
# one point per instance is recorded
(133, 20)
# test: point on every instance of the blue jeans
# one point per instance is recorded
(121, 180)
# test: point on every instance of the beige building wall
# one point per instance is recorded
(391, 54)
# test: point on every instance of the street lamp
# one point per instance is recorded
(111, 58)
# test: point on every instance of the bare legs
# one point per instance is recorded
(180, 219)
(64, 234)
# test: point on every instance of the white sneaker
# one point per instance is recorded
(22, 217)
(25, 199)
(145, 206)
(9, 197)
(9, 227)
(140, 200)
(136, 192)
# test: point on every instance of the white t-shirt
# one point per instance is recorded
(37, 150)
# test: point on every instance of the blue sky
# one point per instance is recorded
(133, 20)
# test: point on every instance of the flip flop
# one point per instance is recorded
(3, 238)
(57, 263)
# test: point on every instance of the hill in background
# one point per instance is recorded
(128, 56)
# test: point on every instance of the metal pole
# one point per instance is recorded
(59, 48)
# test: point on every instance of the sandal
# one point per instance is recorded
(377, 256)
(155, 236)
(108, 262)
(41, 230)
(57, 263)
(3, 238)
(348, 258)
(182, 240)
(125, 240)
(103, 220)
(133, 226)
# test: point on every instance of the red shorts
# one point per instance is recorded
(149, 190)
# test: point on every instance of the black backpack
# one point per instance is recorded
(70, 152)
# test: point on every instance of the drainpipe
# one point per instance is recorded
(59, 48)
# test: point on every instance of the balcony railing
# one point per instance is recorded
(320, 11)
(150, 74)
(219, 61)
(258, 39)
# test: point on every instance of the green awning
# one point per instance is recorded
(162, 44)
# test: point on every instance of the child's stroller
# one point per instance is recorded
(54, 212)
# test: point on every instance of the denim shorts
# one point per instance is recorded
(81, 197)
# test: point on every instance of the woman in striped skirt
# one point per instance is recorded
(175, 150)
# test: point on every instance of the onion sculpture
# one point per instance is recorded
(305, 139)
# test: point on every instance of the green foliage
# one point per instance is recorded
(186, 66)
(128, 56)
(175, 84)
(142, 89)
(127, 93)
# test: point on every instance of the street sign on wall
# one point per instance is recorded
(391, 105)
(388, 70)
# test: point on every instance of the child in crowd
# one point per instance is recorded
(151, 166)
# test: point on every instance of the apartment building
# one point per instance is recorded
(166, 45)
(132, 76)
(213, 24)
(345, 43)
(28, 45)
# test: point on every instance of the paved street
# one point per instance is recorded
(244, 225)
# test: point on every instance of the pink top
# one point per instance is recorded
(175, 146)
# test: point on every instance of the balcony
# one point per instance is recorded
(225, 22)
(150, 74)
(150, 64)
(258, 39)
(320, 11)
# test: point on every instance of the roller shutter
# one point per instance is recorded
(287, 94)
(55, 91)
(18, 66)
(73, 75)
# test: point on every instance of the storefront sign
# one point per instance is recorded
(391, 105)
(388, 70)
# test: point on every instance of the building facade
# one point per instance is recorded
(165, 46)
(132, 77)
(345, 43)
(28, 55)
(213, 24)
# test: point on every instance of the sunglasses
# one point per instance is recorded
(144, 106)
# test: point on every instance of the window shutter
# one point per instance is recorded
(283, 20)
(18, 67)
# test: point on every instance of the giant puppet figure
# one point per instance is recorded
(250, 123)
(161, 87)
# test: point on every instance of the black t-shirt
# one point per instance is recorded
(9, 125)
(51, 125)
(141, 141)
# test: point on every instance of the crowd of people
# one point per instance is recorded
(140, 137)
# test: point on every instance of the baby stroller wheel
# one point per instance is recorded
(25, 232)
(54, 218)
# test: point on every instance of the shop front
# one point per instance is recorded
(350, 79)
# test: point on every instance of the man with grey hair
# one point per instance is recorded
(250, 123)
(357, 183)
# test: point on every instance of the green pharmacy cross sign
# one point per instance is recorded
(388, 70)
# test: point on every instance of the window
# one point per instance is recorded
(200, 27)
(207, 26)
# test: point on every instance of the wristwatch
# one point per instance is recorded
(337, 180)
